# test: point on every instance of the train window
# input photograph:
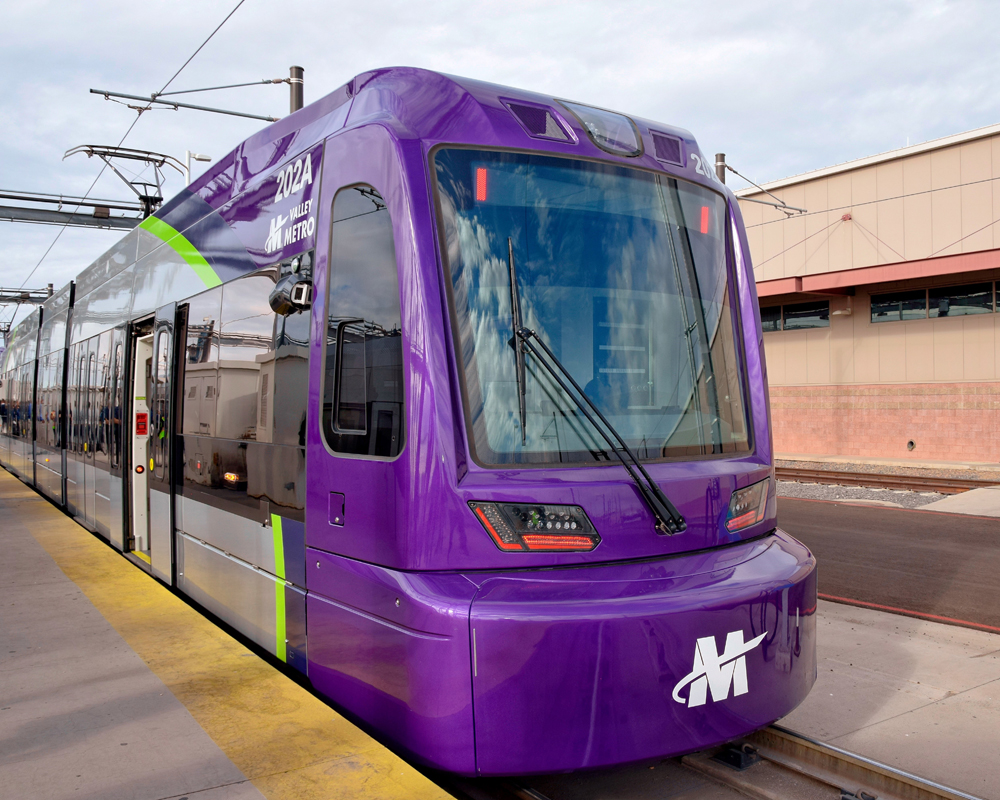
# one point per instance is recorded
(161, 394)
(201, 363)
(115, 410)
(623, 274)
(102, 412)
(363, 382)
(246, 343)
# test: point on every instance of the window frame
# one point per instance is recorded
(454, 334)
(322, 324)
(927, 304)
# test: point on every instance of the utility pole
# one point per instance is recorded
(295, 84)
(720, 166)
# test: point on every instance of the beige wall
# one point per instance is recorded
(935, 203)
(855, 350)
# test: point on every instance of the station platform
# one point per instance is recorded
(113, 687)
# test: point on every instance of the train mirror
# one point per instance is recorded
(292, 293)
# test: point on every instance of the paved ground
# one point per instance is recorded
(112, 687)
(981, 502)
(917, 695)
(930, 563)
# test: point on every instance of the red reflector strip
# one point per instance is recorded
(704, 219)
(742, 521)
(496, 536)
(535, 541)
(481, 184)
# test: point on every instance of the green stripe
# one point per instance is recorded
(281, 649)
(279, 546)
(183, 248)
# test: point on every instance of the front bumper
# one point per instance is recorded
(590, 667)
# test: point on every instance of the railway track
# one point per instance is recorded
(913, 483)
(771, 764)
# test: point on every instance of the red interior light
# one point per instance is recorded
(704, 219)
(481, 184)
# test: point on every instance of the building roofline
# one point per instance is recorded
(840, 280)
(890, 155)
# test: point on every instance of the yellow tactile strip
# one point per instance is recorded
(287, 742)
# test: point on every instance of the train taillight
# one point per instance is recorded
(748, 505)
(534, 527)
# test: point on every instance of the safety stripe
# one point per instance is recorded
(279, 546)
(183, 248)
(280, 647)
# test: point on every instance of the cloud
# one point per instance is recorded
(781, 88)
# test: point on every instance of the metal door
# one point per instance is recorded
(141, 368)
(161, 442)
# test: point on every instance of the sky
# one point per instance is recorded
(781, 88)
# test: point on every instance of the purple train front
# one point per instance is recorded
(452, 396)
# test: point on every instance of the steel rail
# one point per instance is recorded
(856, 776)
(913, 483)
(782, 765)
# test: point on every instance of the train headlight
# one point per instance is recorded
(520, 527)
(748, 505)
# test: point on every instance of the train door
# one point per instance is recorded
(88, 408)
(142, 366)
(363, 411)
(161, 442)
(117, 450)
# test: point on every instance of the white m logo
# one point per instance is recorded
(715, 672)
(274, 237)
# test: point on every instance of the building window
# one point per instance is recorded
(770, 319)
(957, 301)
(795, 317)
(940, 301)
(899, 306)
(805, 315)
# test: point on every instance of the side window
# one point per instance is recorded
(363, 406)
(246, 343)
(158, 427)
(201, 364)
(115, 410)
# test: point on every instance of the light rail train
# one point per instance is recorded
(453, 397)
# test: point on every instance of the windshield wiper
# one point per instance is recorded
(515, 316)
(668, 518)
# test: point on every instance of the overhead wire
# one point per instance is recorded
(121, 141)
(802, 241)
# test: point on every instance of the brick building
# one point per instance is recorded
(879, 303)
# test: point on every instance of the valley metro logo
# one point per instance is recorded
(715, 672)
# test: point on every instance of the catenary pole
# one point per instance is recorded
(295, 83)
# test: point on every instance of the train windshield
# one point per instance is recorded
(623, 274)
